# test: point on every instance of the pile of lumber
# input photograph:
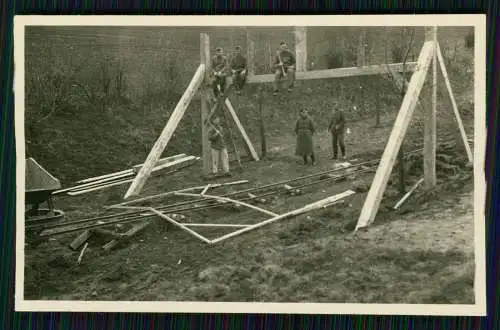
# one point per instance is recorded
(168, 164)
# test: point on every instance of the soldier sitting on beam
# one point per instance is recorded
(239, 69)
(219, 71)
(284, 67)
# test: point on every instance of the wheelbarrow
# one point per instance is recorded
(40, 185)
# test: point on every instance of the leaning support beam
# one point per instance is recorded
(374, 197)
(310, 207)
(301, 48)
(430, 120)
(166, 134)
(336, 73)
(225, 199)
(249, 144)
(454, 104)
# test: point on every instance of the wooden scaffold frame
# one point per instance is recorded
(430, 54)
(200, 81)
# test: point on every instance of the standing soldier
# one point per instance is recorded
(304, 128)
(219, 67)
(337, 129)
(239, 69)
(219, 148)
(284, 67)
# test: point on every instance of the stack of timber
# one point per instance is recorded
(169, 164)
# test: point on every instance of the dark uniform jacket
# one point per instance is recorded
(238, 63)
(337, 123)
(216, 139)
(219, 63)
(286, 57)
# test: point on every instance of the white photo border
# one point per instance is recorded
(480, 129)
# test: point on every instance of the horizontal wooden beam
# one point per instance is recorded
(337, 73)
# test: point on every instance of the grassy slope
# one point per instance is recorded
(420, 256)
(423, 256)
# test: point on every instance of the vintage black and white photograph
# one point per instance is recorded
(251, 162)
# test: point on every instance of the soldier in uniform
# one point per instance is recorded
(219, 71)
(239, 69)
(304, 129)
(337, 129)
(219, 147)
(284, 67)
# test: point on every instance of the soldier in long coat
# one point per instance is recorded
(304, 129)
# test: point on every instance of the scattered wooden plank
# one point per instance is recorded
(82, 238)
(205, 189)
(127, 235)
(104, 176)
(96, 183)
(161, 162)
(174, 166)
(81, 253)
(407, 195)
(374, 197)
(306, 208)
(213, 225)
(175, 223)
(229, 200)
(84, 191)
(146, 198)
(167, 133)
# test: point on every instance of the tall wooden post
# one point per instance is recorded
(430, 118)
(301, 48)
(250, 54)
(263, 142)
(205, 108)
(361, 54)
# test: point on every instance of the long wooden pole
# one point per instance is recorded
(336, 73)
(166, 134)
(454, 104)
(225, 199)
(430, 119)
(304, 209)
(301, 48)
